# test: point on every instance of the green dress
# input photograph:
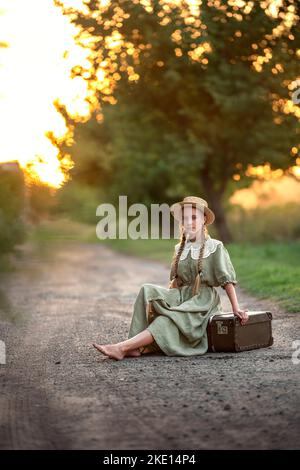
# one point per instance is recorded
(179, 320)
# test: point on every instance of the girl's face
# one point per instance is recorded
(193, 219)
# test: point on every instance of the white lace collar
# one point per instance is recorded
(211, 245)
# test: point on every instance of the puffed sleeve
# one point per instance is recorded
(224, 271)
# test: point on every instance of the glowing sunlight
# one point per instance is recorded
(37, 52)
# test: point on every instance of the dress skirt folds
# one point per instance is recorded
(176, 319)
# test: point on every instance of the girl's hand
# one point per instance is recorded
(242, 315)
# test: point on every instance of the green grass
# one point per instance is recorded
(270, 270)
(62, 229)
(267, 270)
(160, 250)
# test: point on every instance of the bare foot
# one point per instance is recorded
(134, 353)
(115, 351)
(111, 350)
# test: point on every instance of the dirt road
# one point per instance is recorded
(57, 392)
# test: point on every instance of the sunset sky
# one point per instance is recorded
(34, 71)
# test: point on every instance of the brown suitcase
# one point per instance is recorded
(225, 333)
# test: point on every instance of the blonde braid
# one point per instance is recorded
(197, 282)
(174, 276)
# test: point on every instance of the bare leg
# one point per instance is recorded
(128, 347)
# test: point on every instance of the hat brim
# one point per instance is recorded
(176, 211)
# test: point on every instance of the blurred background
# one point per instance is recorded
(155, 100)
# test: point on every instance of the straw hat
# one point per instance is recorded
(193, 201)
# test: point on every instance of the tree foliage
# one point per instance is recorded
(191, 96)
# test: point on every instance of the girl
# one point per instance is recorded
(173, 321)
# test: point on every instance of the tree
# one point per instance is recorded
(210, 83)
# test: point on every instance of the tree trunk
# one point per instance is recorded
(214, 199)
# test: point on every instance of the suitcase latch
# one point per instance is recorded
(221, 329)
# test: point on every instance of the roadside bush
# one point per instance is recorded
(12, 204)
(276, 223)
